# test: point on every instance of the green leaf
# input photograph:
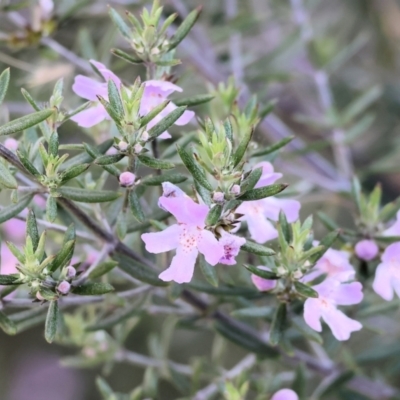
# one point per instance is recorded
(184, 28)
(7, 178)
(256, 248)
(88, 196)
(209, 272)
(51, 209)
(154, 163)
(135, 206)
(108, 159)
(262, 192)
(92, 289)
(125, 56)
(194, 100)
(28, 165)
(327, 242)
(153, 113)
(305, 290)
(32, 229)
(137, 270)
(120, 24)
(241, 150)
(104, 388)
(73, 172)
(53, 144)
(356, 192)
(159, 179)
(327, 221)
(11, 211)
(4, 81)
(251, 180)
(253, 312)
(242, 339)
(25, 122)
(228, 130)
(63, 257)
(115, 99)
(214, 214)
(262, 273)
(51, 324)
(102, 269)
(166, 122)
(223, 290)
(110, 110)
(274, 147)
(194, 168)
(115, 319)
(285, 227)
(278, 325)
(7, 280)
(7, 325)
(30, 99)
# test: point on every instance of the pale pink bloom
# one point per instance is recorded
(235, 190)
(127, 179)
(188, 236)
(394, 230)
(366, 249)
(231, 245)
(14, 229)
(46, 8)
(387, 275)
(112, 151)
(89, 89)
(285, 394)
(156, 92)
(335, 264)
(123, 146)
(11, 144)
(263, 285)
(218, 197)
(258, 213)
(333, 293)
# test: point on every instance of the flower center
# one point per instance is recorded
(188, 238)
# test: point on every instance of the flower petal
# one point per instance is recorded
(261, 230)
(159, 242)
(348, 293)
(263, 285)
(272, 207)
(383, 281)
(212, 249)
(182, 266)
(185, 118)
(312, 314)
(340, 324)
(162, 87)
(91, 116)
(89, 88)
(394, 230)
(366, 249)
(185, 210)
(285, 394)
(392, 252)
(106, 73)
(268, 176)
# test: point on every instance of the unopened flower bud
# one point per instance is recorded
(138, 148)
(70, 271)
(111, 151)
(145, 136)
(64, 287)
(218, 197)
(366, 250)
(235, 189)
(11, 144)
(127, 179)
(165, 43)
(122, 145)
(155, 51)
(297, 274)
(281, 271)
(39, 296)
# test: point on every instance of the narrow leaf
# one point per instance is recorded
(159, 179)
(166, 122)
(32, 229)
(274, 147)
(11, 211)
(7, 178)
(120, 24)
(153, 113)
(194, 100)
(135, 206)
(214, 214)
(103, 269)
(51, 324)
(4, 81)
(209, 272)
(93, 288)
(125, 56)
(256, 248)
(7, 325)
(278, 325)
(73, 172)
(262, 192)
(88, 196)
(154, 163)
(25, 122)
(305, 290)
(262, 273)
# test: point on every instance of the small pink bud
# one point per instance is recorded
(235, 189)
(127, 179)
(111, 151)
(366, 250)
(64, 287)
(122, 145)
(138, 148)
(39, 296)
(11, 144)
(145, 136)
(218, 197)
(70, 271)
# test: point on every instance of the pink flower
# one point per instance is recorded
(335, 264)
(263, 285)
(155, 93)
(257, 213)
(11, 144)
(387, 275)
(366, 250)
(14, 229)
(89, 89)
(188, 236)
(285, 394)
(231, 245)
(64, 287)
(394, 230)
(331, 294)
